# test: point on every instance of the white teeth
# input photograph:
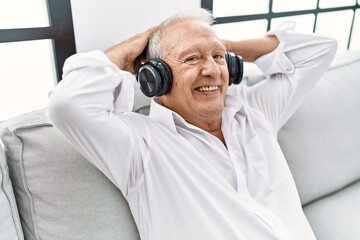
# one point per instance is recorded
(208, 88)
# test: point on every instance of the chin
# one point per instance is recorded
(213, 110)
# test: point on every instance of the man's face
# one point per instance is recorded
(200, 75)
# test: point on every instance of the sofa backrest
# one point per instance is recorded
(321, 141)
(59, 194)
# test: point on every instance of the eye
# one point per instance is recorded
(219, 57)
(192, 59)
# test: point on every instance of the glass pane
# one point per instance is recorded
(239, 7)
(336, 25)
(355, 38)
(27, 74)
(283, 5)
(23, 14)
(332, 3)
(304, 23)
(241, 30)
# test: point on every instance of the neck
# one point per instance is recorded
(210, 123)
(219, 135)
(212, 126)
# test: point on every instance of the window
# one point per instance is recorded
(239, 7)
(36, 36)
(284, 6)
(237, 19)
(249, 29)
(23, 14)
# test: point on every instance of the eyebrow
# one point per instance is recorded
(193, 48)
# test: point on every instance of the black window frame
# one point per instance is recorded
(60, 31)
(208, 4)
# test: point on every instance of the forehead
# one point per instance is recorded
(188, 34)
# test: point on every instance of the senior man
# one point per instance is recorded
(204, 164)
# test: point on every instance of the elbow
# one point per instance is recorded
(325, 50)
(332, 46)
(59, 108)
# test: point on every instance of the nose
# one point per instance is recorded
(210, 68)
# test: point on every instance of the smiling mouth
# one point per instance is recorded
(207, 88)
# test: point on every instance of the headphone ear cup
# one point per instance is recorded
(235, 67)
(154, 77)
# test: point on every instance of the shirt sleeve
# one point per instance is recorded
(292, 69)
(88, 107)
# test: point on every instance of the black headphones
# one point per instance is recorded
(155, 76)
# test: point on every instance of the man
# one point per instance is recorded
(204, 164)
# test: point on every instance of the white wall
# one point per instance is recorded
(101, 24)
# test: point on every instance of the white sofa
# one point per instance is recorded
(49, 191)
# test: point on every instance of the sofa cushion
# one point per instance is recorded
(321, 140)
(60, 195)
(336, 216)
(10, 227)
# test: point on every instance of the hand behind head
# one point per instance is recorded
(128, 54)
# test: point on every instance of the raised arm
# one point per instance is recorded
(124, 54)
(252, 49)
(89, 107)
(293, 62)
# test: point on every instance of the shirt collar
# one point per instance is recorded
(233, 104)
(162, 114)
(171, 119)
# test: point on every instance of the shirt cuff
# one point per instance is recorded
(277, 61)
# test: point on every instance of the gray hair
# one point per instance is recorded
(155, 48)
